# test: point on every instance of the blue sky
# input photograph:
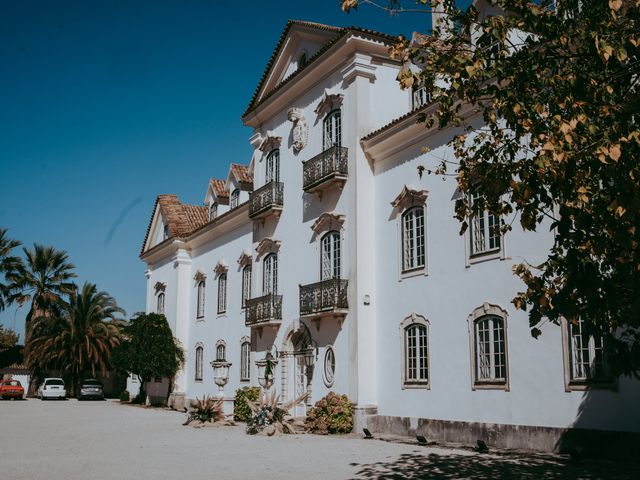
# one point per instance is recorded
(106, 104)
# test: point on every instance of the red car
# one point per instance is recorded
(11, 389)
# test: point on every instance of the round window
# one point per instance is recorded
(329, 366)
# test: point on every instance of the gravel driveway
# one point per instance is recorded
(106, 440)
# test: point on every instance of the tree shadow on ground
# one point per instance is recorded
(494, 466)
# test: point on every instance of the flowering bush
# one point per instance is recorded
(241, 409)
(331, 414)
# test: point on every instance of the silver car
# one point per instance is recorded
(52, 388)
(91, 388)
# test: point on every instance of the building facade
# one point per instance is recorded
(327, 246)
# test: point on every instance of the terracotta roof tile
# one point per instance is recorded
(241, 172)
(218, 188)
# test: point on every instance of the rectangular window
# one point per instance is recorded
(413, 239)
(586, 352)
(222, 293)
(246, 284)
(421, 97)
(484, 228)
(245, 361)
(490, 350)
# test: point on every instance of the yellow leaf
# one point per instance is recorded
(470, 70)
(615, 5)
(609, 89)
(615, 152)
(517, 108)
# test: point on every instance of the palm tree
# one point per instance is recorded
(8, 264)
(81, 339)
(44, 280)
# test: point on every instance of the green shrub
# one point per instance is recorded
(241, 409)
(331, 414)
(124, 396)
(207, 409)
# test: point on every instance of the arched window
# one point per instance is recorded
(413, 239)
(273, 166)
(490, 350)
(222, 293)
(270, 275)
(330, 256)
(235, 198)
(329, 366)
(332, 130)
(160, 304)
(415, 332)
(221, 352)
(213, 210)
(199, 355)
(246, 284)
(200, 306)
(245, 361)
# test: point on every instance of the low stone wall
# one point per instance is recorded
(600, 443)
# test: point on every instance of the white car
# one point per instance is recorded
(52, 388)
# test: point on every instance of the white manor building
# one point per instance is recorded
(328, 240)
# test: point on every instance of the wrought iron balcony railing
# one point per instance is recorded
(328, 296)
(329, 165)
(268, 197)
(263, 310)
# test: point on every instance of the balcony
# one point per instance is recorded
(266, 201)
(325, 171)
(324, 299)
(263, 311)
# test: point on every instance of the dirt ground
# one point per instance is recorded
(106, 440)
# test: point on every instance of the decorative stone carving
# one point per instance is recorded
(199, 276)
(300, 129)
(270, 142)
(160, 287)
(220, 268)
(327, 222)
(245, 258)
(409, 197)
(268, 245)
(330, 101)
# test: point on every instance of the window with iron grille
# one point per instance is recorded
(199, 355)
(246, 284)
(416, 358)
(484, 228)
(421, 96)
(270, 275)
(332, 130)
(222, 293)
(330, 256)
(245, 361)
(200, 305)
(160, 304)
(234, 200)
(273, 166)
(586, 355)
(490, 352)
(413, 239)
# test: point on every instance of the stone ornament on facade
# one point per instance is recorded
(268, 245)
(199, 276)
(220, 268)
(409, 197)
(270, 142)
(330, 101)
(300, 129)
(160, 287)
(245, 259)
(328, 221)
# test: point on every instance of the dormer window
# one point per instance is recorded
(421, 96)
(235, 198)
(213, 210)
(302, 61)
(166, 232)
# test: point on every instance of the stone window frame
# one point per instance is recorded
(160, 299)
(329, 349)
(407, 200)
(198, 375)
(222, 293)
(472, 257)
(269, 175)
(599, 383)
(245, 368)
(221, 346)
(200, 279)
(234, 198)
(405, 324)
(478, 314)
(327, 223)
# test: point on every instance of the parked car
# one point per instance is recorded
(91, 388)
(52, 388)
(11, 389)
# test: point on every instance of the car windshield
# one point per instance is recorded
(91, 383)
(12, 383)
(55, 381)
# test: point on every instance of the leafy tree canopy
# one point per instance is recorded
(8, 264)
(148, 349)
(556, 84)
(8, 338)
